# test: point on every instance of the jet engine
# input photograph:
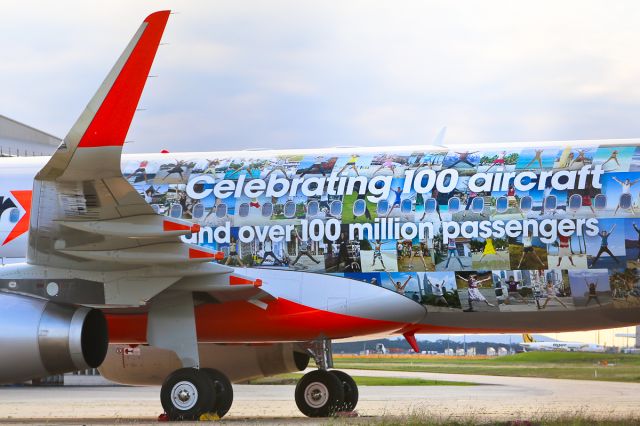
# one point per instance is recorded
(41, 338)
(148, 365)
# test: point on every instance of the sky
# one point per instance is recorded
(286, 74)
(290, 74)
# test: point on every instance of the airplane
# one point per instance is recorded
(194, 271)
(529, 343)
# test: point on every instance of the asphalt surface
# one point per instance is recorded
(92, 400)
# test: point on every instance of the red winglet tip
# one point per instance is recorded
(110, 123)
(164, 151)
(200, 254)
(156, 16)
(168, 226)
(411, 339)
(233, 280)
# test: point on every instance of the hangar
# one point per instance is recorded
(19, 140)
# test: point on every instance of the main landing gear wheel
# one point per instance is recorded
(186, 394)
(350, 390)
(223, 391)
(319, 394)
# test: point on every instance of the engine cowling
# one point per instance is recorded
(147, 365)
(40, 338)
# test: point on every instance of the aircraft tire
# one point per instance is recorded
(350, 390)
(223, 391)
(319, 394)
(186, 394)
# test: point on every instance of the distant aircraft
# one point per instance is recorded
(531, 344)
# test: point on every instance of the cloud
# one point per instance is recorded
(287, 74)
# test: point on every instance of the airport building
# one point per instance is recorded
(19, 140)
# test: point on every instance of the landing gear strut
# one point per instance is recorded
(189, 392)
(323, 393)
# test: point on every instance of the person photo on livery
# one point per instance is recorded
(604, 246)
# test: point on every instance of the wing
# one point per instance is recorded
(86, 217)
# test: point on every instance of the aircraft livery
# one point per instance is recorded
(543, 229)
(537, 229)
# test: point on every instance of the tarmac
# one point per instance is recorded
(93, 400)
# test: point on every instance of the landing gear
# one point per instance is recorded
(189, 393)
(319, 394)
(323, 393)
(350, 390)
(223, 391)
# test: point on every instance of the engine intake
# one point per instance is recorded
(40, 338)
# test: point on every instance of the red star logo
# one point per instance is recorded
(24, 199)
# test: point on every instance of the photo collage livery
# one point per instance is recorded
(536, 229)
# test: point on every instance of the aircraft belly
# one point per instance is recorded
(504, 322)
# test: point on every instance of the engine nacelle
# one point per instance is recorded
(41, 338)
(148, 365)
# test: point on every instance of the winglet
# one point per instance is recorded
(83, 179)
(111, 121)
(105, 121)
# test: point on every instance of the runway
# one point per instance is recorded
(88, 400)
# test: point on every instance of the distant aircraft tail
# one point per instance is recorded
(527, 338)
(439, 140)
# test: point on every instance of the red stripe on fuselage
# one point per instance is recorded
(283, 320)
